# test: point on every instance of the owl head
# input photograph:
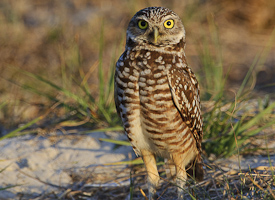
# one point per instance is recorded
(156, 26)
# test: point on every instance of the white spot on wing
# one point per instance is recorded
(141, 84)
(126, 69)
(161, 67)
(131, 85)
(121, 82)
(142, 79)
(132, 78)
(151, 82)
(161, 81)
(157, 75)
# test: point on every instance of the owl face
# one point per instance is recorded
(156, 26)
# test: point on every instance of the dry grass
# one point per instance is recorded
(251, 184)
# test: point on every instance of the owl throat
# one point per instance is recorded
(164, 46)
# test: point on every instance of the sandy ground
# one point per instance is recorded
(38, 165)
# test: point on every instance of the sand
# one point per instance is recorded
(37, 164)
(34, 165)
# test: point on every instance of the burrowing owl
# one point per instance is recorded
(157, 96)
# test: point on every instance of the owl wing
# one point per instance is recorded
(185, 93)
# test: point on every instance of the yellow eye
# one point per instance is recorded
(142, 24)
(169, 23)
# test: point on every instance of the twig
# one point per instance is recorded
(271, 192)
(143, 194)
(256, 183)
(65, 193)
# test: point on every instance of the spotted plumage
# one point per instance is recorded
(157, 96)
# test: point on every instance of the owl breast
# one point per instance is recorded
(151, 119)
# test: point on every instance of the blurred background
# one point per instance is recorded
(50, 48)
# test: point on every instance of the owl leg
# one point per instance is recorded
(181, 175)
(149, 160)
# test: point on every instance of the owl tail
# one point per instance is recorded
(195, 169)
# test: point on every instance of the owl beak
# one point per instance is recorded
(156, 34)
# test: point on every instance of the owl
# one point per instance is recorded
(157, 97)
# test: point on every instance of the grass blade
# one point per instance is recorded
(16, 131)
(136, 161)
(100, 68)
(257, 118)
(119, 142)
(67, 93)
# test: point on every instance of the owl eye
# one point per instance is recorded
(169, 23)
(142, 24)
